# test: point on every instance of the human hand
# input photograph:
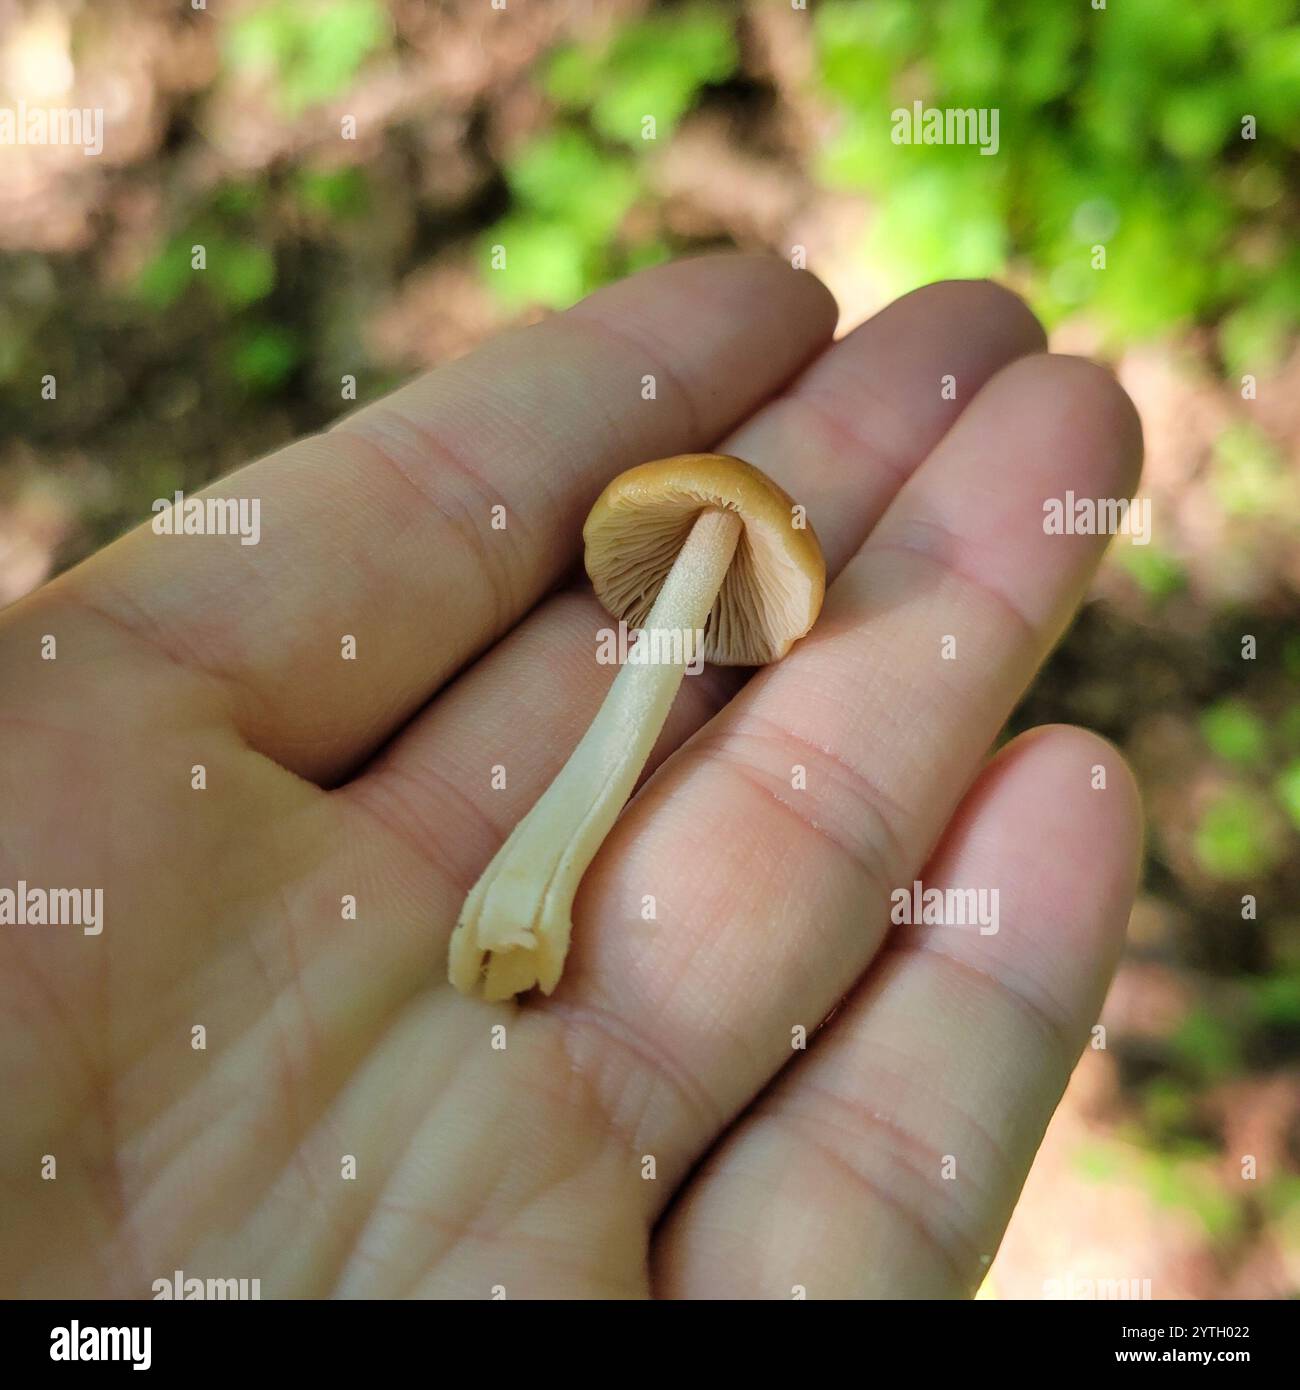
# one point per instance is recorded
(882, 1161)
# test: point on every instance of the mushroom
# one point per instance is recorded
(700, 546)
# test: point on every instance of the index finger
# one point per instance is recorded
(426, 524)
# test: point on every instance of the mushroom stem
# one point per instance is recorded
(514, 929)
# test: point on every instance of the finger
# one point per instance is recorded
(383, 530)
(840, 440)
(770, 843)
(886, 1160)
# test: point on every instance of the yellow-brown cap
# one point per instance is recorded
(774, 588)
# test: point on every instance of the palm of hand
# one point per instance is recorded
(341, 1121)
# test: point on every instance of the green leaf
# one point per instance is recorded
(164, 279)
(264, 356)
(859, 155)
(238, 199)
(1207, 1044)
(1249, 477)
(1254, 338)
(860, 47)
(339, 193)
(943, 218)
(1291, 654)
(544, 263)
(1277, 1000)
(1235, 732)
(1167, 1105)
(1238, 836)
(1157, 573)
(562, 177)
(1200, 120)
(1287, 787)
(240, 273)
(573, 76)
(656, 67)
(1288, 727)
(312, 51)
(1192, 1186)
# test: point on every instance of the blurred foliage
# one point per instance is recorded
(569, 197)
(1158, 573)
(1249, 475)
(571, 190)
(652, 67)
(1234, 731)
(339, 194)
(1288, 791)
(1121, 128)
(310, 53)
(1237, 835)
(221, 257)
(239, 273)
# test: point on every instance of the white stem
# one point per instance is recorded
(514, 929)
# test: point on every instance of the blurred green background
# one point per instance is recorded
(1124, 128)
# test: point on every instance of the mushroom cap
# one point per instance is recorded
(774, 587)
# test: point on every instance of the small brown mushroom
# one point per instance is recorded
(701, 546)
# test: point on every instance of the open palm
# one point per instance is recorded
(286, 763)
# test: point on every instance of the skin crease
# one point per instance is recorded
(525, 1168)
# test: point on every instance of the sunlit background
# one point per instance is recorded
(1120, 128)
